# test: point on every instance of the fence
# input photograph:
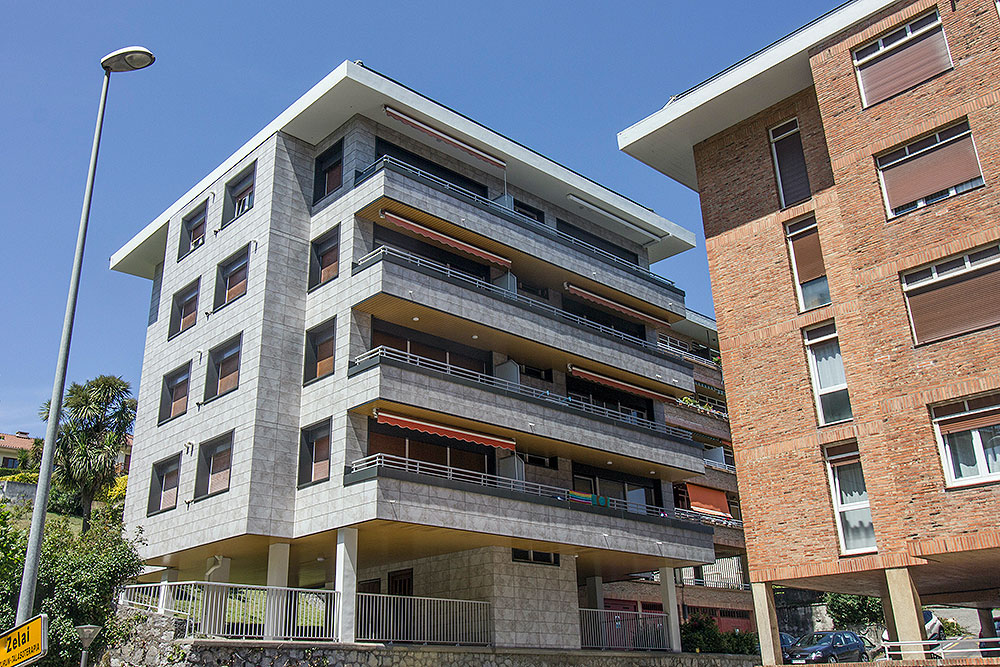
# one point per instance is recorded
(623, 630)
(957, 647)
(418, 620)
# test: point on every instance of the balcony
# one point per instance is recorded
(708, 519)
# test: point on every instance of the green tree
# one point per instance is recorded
(853, 611)
(95, 425)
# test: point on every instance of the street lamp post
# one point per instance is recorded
(87, 634)
(122, 60)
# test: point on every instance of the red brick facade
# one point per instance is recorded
(790, 525)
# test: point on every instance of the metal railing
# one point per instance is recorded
(237, 611)
(715, 583)
(418, 620)
(623, 630)
(571, 498)
(708, 519)
(705, 410)
(956, 647)
(382, 351)
(720, 465)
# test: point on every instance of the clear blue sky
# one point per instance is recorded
(560, 77)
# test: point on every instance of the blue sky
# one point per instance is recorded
(560, 77)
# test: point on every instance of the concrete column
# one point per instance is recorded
(907, 615)
(668, 594)
(166, 600)
(278, 606)
(595, 593)
(216, 598)
(744, 569)
(346, 579)
(890, 621)
(767, 623)
(986, 627)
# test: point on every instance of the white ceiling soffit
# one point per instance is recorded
(665, 139)
(353, 89)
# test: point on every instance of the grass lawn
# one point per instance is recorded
(75, 522)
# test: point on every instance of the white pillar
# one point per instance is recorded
(906, 611)
(278, 606)
(767, 623)
(595, 592)
(346, 579)
(166, 600)
(668, 592)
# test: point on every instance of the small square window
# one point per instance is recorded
(329, 171)
(214, 463)
(231, 280)
(544, 374)
(239, 196)
(193, 230)
(174, 397)
(223, 368)
(164, 485)
(314, 453)
(320, 351)
(324, 258)
(184, 310)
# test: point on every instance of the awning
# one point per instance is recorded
(617, 384)
(450, 241)
(708, 501)
(431, 428)
(441, 136)
(614, 305)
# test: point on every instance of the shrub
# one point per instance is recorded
(700, 634)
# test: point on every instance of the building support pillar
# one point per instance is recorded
(766, 615)
(279, 604)
(907, 615)
(346, 580)
(668, 593)
(216, 598)
(986, 627)
(595, 593)
(166, 598)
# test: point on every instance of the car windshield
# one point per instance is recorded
(928, 616)
(814, 638)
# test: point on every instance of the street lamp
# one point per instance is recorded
(87, 634)
(122, 60)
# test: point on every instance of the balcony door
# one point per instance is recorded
(404, 612)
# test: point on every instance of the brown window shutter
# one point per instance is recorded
(168, 497)
(198, 231)
(905, 67)
(324, 358)
(808, 256)
(229, 373)
(956, 306)
(380, 443)
(334, 177)
(792, 169)
(219, 478)
(329, 264)
(321, 458)
(236, 283)
(969, 422)
(179, 398)
(931, 172)
(189, 313)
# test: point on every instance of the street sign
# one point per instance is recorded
(25, 644)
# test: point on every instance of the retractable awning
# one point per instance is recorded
(440, 237)
(617, 384)
(444, 431)
(441, 136)
(614, 305)
(708, 501)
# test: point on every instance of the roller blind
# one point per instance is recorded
(969, 422)
(930, 172)
(950, 307)
(321, 458)
(229, 373)
(219, 478)
(904, 67)
(791, 166)
(808, 256)
(179, 395)
(324, 357)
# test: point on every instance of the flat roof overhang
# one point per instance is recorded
(353, 89)
(665, 140)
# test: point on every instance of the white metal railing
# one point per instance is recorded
(715, 583)
(244, 612)
(957, 647)
(506, 385)
(419, 620)
(709, 519)
(623, 630)
(720, 465)
(571, 498)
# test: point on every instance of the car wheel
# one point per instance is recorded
(832, 658)
(863, 657)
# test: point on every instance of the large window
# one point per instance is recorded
(807, 264)
(324, 258)
(329, 171)
(319, 351)
(393, 441)
(239, 196)
(223, 368)
(214, 462)
(383, 147)
(596, 241)
(850, 499)
(184, 309)
(314, 453)
(789, 163)
(827, 369)
(192, 231)
(929, 169)
(968, 434)
(231, 279)
(905, 57)
(955, 295)
(174, 397)
(163, 488)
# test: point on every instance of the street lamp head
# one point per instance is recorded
(87, 634)
(127, 59)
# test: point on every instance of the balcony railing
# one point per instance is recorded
(383, 352)
(623, 630)
(418, 620)
(386, 162)
(702, 409)
(571, 498)
(720, 465)
(715, 583)
(236, 611)
(708, 519)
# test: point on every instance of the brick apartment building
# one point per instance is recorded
(848, 182)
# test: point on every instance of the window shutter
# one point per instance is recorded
(168, 497)
(792, 169)
(189, 313)
(324, 357)
(219, 478)
(229, 373)
(969, 422)
(329, 264)
(931, 172)
(236, 283)
(948, 308)
(905, 67)
(321, 458)
(334, 177)
(179, 395)
(808, 256)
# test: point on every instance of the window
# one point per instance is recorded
(550, 462)
(214, 462)
(314, 454)
(789, 163)
(596, 241)
(540, 557)
(184, 312)
(163, 488)
(329, 171)
(9, 462)
(319, 351)
(544, 374)
(930, 169)
(239, 196)
(807, 264)
(533, 290)
(174, 397)
(827, 370)
(529, 210)
(192, 230)
(968, 433)
(850, 499)
(231, 282)
(223, 368)
(324, 258)
(383, 147)
(905, 57)
(955, 295)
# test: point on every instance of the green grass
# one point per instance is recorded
(75, 522)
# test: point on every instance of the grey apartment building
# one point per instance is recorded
(406, 379)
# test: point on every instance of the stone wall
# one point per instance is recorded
(17, 492)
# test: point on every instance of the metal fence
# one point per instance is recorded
(956, 647)
(623, 630)
(708, 519)
(418, 620)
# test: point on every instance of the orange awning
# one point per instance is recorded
(450, 241)
(614, 305)
(441, 136)
(617, 384)
(431, 428)
(708, 501)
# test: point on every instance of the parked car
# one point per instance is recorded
(870, 648)
(932, 625)
(833, 646)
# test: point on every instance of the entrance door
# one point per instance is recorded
(403, 610)
(401, 582)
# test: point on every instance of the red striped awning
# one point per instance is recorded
(441, 136)
(614, 305)
(431, 428)
(450, 241)
(617, 384)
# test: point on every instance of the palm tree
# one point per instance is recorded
(94, 429)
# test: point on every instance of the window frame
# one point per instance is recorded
(224, 351)
(814, 372)
(317, 248)
(944, 450)
(159, 471)
(170, 382)
(187, 222)
(832, 462)
(329, 327)
(307, 445)
(207, 451)
(235, 189)
(774, 159)
(226, 268)
(192, 290)
(789, 237)
(325, 161)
